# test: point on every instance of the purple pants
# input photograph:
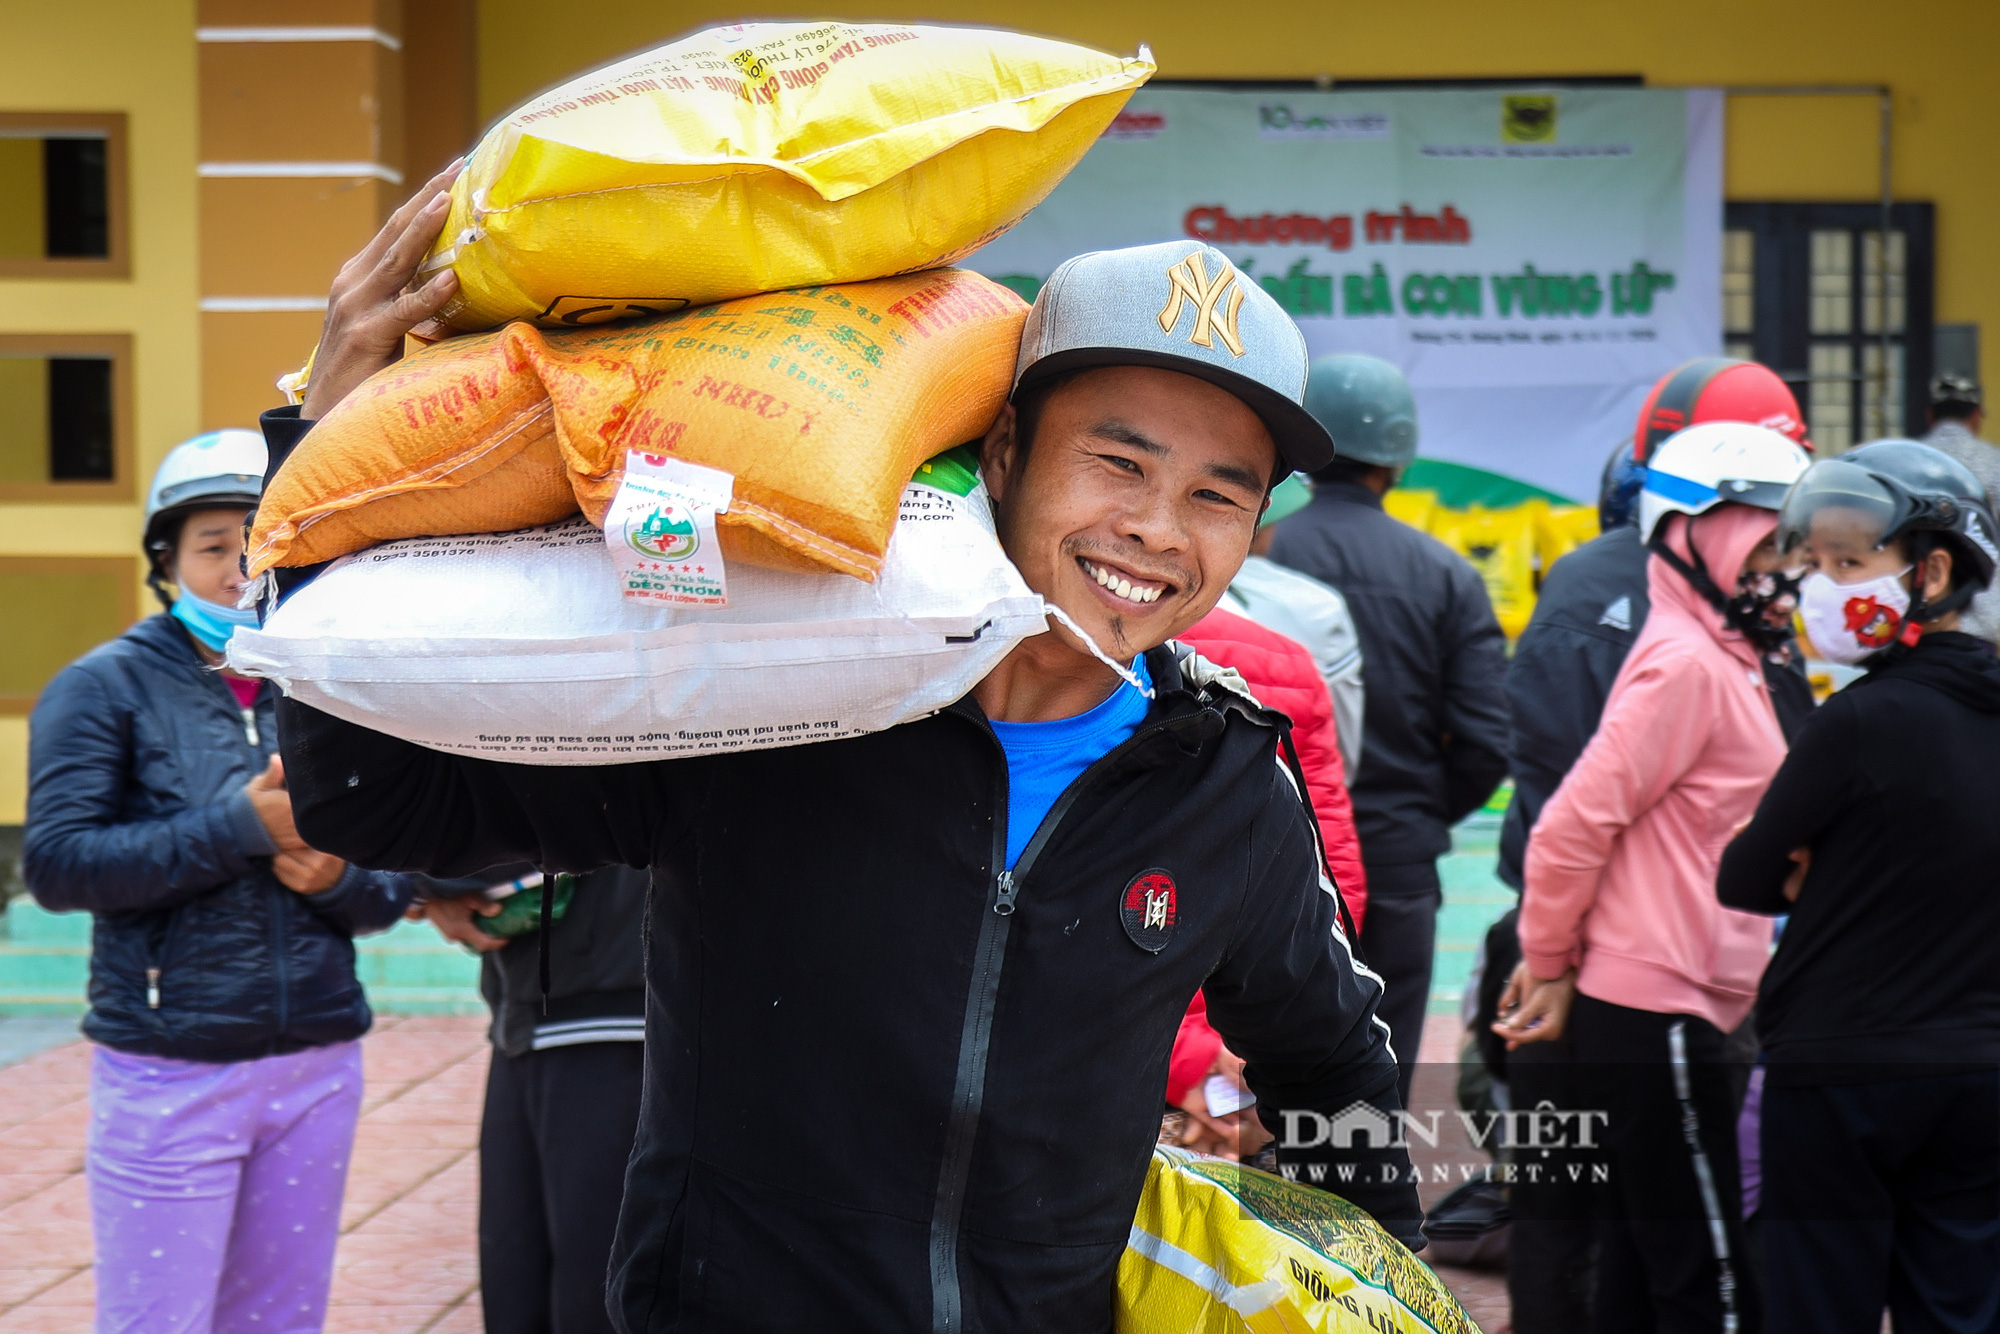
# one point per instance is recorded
(215, 1189)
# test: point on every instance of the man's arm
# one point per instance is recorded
(1289, 999)
(1816, 784)
(1475, 698)
(392, 805)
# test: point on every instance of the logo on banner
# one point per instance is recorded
(1148, 910)
(1277, 120)
(1188, 281)
(1130, 124)
(1528, 119)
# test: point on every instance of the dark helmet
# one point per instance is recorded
(1618, 489)
(1903, 489)
(1955, 395)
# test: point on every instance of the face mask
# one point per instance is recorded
(210, 622)
(1849, 622)
(1762, 608)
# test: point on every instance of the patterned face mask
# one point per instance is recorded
(1762, 609)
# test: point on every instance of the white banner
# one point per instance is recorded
(1532, 259)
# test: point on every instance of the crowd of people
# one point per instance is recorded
(879, 1033)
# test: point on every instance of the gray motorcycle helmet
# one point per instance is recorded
(1366, 406)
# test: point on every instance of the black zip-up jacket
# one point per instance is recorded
(137, 758)
(1888, 962)
(1436, 717)
(891, 1086)
(1591, 606)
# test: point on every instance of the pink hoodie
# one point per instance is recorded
(1621, 864)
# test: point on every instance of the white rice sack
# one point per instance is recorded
(518, 646)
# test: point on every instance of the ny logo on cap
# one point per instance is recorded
(1189, 281)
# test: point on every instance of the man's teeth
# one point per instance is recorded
(1123, 587)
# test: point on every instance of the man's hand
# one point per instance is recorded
(1536, 1008)
(1802, 862)
(1236, 1135)
(372, 305)
(453, 919)
(307, 872)
(273, 805)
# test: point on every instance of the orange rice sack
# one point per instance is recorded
(819, 402)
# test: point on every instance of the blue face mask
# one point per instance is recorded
(210, 622)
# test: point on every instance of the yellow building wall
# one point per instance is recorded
(138, 57)
(1935, 55)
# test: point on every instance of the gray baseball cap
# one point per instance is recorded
(1181, 306)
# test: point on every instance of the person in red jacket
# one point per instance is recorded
(1281, 673)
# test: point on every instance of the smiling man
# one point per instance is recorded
(911, 995)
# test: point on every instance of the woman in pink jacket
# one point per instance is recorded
(1624, 944)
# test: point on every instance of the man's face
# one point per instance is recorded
(1136, 504)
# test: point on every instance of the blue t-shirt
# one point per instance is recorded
(1045, 758)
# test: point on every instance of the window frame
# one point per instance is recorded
(126, 572)
(112, 126)
(1781, 291)
(119, 489)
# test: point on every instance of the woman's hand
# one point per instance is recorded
(372, 304)
(273, 805)
(1802, 862)
(1536, 1009)
(307, 872)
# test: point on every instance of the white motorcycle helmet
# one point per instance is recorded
(1718, 463)
(209, 471)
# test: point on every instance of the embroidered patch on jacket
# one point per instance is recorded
(1148, 909)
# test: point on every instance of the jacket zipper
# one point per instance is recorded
(976, 1036)
(280, 909)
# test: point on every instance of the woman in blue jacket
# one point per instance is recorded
(223, 998)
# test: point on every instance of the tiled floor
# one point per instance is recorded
(1483, 1291)
(407, 1261)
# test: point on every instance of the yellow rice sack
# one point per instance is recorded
(1413, 507)
(1561, 529)
(1218, 1248)
(819, 403)
(1501, 546)
(763, 156)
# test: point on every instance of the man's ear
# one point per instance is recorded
(998, 453)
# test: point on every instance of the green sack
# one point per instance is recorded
(521, 911)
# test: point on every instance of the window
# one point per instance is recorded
(1739, 272)
(62, 195)
(65, 417)
(74, 602)
(1812, 291)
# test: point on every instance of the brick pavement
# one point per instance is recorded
(407, 1262)
(1483, 1291)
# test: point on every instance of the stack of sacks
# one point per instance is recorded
(747, 452)
(817, 403)
(519, 646)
